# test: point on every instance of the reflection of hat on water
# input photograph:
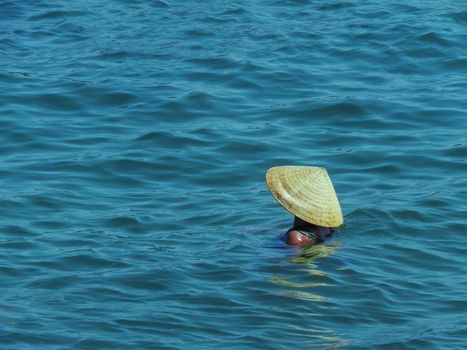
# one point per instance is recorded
(307, 193)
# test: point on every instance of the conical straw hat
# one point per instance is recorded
(306, 192)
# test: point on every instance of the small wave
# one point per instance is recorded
(57, 15)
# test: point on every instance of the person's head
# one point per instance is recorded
(299, 223)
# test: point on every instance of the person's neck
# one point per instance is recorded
(301, 224)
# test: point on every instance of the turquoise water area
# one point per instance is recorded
(134, 138)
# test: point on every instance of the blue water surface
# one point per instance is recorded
(134, 138)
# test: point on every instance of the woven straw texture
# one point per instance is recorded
(306, 192)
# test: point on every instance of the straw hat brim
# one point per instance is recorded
(306, 192)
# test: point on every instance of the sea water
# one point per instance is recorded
(134, 139)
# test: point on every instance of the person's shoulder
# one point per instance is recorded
(295, 237)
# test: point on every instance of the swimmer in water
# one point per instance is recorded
(307, 193)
